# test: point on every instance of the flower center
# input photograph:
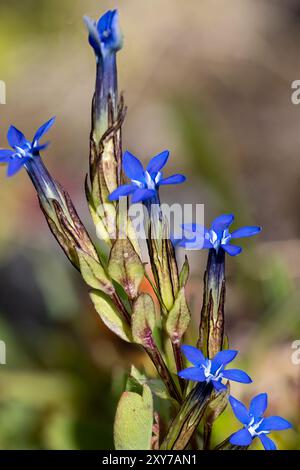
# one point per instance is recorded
(253, 426)
(209, 375)
(218, 239)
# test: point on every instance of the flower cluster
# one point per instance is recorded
(213, 370)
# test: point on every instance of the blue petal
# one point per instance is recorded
(174, 179)
(237, 375)
(274, 423)
(247, 231)
(218, 386)
(194, 355)
(194, 228)
(222, 222)
(142, 194)
(223, 358)
(232, 250)
(123, 190)
(15, 165)
(239, 410)
(109, 30)
(94, 39)
(15, 137)
(158, 162)
(38, 148)
(5, 155)
(267, 442)
(43, 129)
(196, 374)
(195, 243)
(133, 167)
(258, 405)
(241, 438)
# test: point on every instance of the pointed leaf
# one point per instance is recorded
(134, 421)
(93, 273)
(143, 320)
(125, 267)
(178, 318)
(110, 315)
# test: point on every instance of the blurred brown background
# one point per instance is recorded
(211, 81)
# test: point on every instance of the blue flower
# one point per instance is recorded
(218, 236)
(24, 151)
(255, 425)
(212, 370)
(144, 183)
(105, 35)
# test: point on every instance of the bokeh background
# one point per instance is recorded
(211, 81)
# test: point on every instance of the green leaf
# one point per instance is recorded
(134, 421)
(178, 318)
(143, 320)
(110, 315)
(125, 267)
(184, 273)
(93, 273)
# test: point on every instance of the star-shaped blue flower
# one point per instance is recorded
(212, 370)
(23, 150)
(105, 35)
(218, 236)
(255, 425)
(144, 183)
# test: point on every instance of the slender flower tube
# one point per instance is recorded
(255, 425)
(54, 200)
(217, 240)
(106, 39)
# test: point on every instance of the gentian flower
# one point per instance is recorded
(255, 425)
(26, 154)
(144, 183)
(212, 370)
(106, 39)
(218, 236)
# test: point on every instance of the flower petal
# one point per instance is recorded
(109, 30)
(267, 442)
(274, 423)
(142, 194)
(94, 39)
(133, 167)
(195, 243)
(158, 162)
(123, 190)
(195, 374)
(241, 438)
(15, 137)
(5, 155)
(247, 231)
(232, 250)
(43, 129)
(194, 355)
(223, 358)
(239, 410)
(218, 386)
(237, 375)
(174, 179)
(222, 222)
(15, 165)
(258, 405)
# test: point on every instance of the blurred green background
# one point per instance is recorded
(209, 80)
